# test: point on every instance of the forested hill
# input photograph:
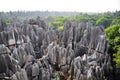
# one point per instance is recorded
(33, 14)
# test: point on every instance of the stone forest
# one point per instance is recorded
(31, 50)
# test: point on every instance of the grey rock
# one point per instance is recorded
(4, 49)
(30, 50)
(35, 69)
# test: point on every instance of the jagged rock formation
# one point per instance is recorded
(33, 51)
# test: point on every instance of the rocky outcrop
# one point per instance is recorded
(33, 51)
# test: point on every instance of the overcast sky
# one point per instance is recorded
(60, 5)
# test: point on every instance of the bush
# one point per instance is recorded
(61, 27)
(113, 36)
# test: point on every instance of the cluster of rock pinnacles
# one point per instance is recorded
(33, 51)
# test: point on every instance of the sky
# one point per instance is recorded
(60, 5)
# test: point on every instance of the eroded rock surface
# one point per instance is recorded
(33, 51)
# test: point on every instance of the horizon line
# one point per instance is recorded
(55, 11)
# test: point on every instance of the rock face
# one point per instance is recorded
(33, 51)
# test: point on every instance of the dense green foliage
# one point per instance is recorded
(113, 35)
(117, 58)
(58, 22)
(104, 21)
(97, 19)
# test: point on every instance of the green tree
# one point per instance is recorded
(113, 36)
(117, 58)
(116, 20)
(104, 21)
(56, 24)
(8, 22)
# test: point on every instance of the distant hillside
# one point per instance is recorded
(34, 14)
